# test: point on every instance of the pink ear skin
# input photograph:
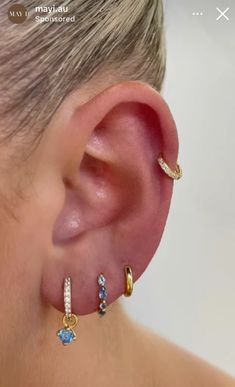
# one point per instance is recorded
(115, 198)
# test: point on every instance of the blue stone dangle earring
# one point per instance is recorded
(70, 320)
(102, 295)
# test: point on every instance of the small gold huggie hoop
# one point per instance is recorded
(175, 174)
(129, 281)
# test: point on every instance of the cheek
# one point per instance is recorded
(24, 245)
(20, 276)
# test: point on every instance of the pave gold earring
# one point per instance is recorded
(175, 174)
(70, 320)
(129, 283)
(102, 294)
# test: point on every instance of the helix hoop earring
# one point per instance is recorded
(175, 174)
(70, 320)
(129, 283)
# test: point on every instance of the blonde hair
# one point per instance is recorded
(40, 63)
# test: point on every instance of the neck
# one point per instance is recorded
(99, 351)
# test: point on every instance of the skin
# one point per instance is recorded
(89, 199)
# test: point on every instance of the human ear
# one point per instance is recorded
(112, 197)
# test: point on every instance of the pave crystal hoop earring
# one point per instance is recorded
(175, 174)
(70, 320)
(129, 283)
(102, 294)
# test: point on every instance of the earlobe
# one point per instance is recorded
(116, 200)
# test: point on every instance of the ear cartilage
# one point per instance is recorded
(102, 294)
(70, 320)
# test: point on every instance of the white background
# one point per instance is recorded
(187, 293)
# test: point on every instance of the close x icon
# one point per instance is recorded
(223, 14)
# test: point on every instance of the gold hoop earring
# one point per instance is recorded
(175, 174)
(129, 281)
(70, 320)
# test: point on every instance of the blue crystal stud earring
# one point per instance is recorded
(102, 295)
(70, 320)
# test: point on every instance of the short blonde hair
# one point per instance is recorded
(41, 63)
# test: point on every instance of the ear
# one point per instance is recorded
(112, 198)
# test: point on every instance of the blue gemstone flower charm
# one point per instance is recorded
(102, 294)
(66, 335)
